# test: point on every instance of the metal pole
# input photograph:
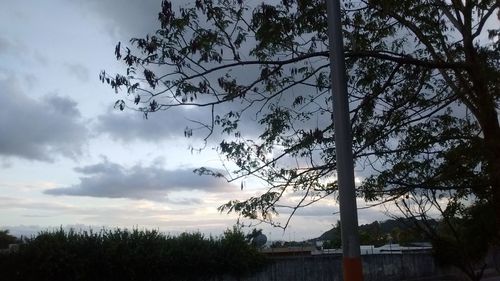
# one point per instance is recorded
(351, 262)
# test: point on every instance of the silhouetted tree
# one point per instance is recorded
(424, 88)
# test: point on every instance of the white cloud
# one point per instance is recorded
(29, 204)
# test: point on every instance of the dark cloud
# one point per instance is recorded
(62, 105)
(111, 180)
(38, 129)
(125, 19)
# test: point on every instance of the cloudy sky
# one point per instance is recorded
(68, 158)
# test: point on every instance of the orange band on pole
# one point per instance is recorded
(353, 269)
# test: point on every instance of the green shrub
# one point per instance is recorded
(130, 255)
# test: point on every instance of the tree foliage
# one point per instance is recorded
(460, 240)
(424, 90)
(464, 234)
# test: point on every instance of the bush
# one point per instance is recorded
(130, 255)
(6, 239)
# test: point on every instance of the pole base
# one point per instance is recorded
(353, 269)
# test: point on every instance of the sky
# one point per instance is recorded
(68, 158)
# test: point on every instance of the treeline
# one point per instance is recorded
(401, 231)
(130, 255)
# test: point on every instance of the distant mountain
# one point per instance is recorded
(401, 231)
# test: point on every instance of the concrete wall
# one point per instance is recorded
(386, 267)
(399, 266)
(305, 268)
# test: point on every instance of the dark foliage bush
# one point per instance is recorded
(130, 255)
(6, 239)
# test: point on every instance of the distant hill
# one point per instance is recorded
(401, 231)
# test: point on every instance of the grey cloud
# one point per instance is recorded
(370, 215)
(170, 124)
(40, 58)
(11, 47)
(78, 71)
(38, 129)
(111, 180)
(62, 105)
(31, 80)
(139, 19)
(318, 211)
(136, 19)
(5, 45)
(130, 126)
(21, 52)
(101, 168)
(123, 19)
